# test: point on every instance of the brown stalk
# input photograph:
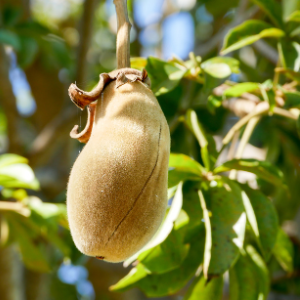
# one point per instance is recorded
(123, 34)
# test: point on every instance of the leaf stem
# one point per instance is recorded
(261, 109)
(123, 34)
(244, 141)
(15, 207)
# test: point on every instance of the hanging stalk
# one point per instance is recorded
(123, 34)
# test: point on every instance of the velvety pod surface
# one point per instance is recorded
(117, 191)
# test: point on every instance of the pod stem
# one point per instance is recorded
(123, 34)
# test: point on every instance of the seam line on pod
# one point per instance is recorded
(141, 192)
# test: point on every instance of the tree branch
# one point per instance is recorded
(123, 34)
(86, 26)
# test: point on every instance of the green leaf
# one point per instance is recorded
(183, 167)
(292, 99)
(248, 33)
(208, 149)
(11, 159)
(135, 275)
(262, 169)
(11, 15)
(273, 9)
(165, 76)
(165, 228)
(191, 204)
(284, 251)
(159, 285)
(294, 17)
(241, 88)
(8, 37)
(138, 63)
(225, 223)
(167, 256)
(28, 51)
(33, 254)
(231, 62)
(203, 290)
(289, 53)
(214, 102)
(247, 278)
(18, 176)
(263, 219)
(262, 272)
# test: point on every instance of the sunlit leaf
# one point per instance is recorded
(138, 63)
(262, 169)
(11, 159)
(294, 17)
(165, 228)
(208, 147)
(159, 285)
(284, 251)
(135, 274)
(225, 223)
(248, 33)
(241, 88)
(165, 76)
(263, 219)
(203, 290)
(183, 167)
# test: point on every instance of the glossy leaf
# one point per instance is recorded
(165, 228)
(241, 88)
(183, 167)
(273, 9)
(203, 290)
(248, 33)
(284, 251)
(165, 76)
(166, 256)
(262, 169)
(135, 274)
(225, 222)
(263, 219)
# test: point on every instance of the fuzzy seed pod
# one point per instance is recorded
(117, 190)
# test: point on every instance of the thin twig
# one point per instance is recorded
(285, 113)
(123, 34)
(231, 151)
(261, 109)
(14, 206)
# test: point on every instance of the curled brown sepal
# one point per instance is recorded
(81, 98)
(85, 134)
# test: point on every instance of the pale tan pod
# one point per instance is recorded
(117, 190)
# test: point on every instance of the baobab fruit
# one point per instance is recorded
(117, 190)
